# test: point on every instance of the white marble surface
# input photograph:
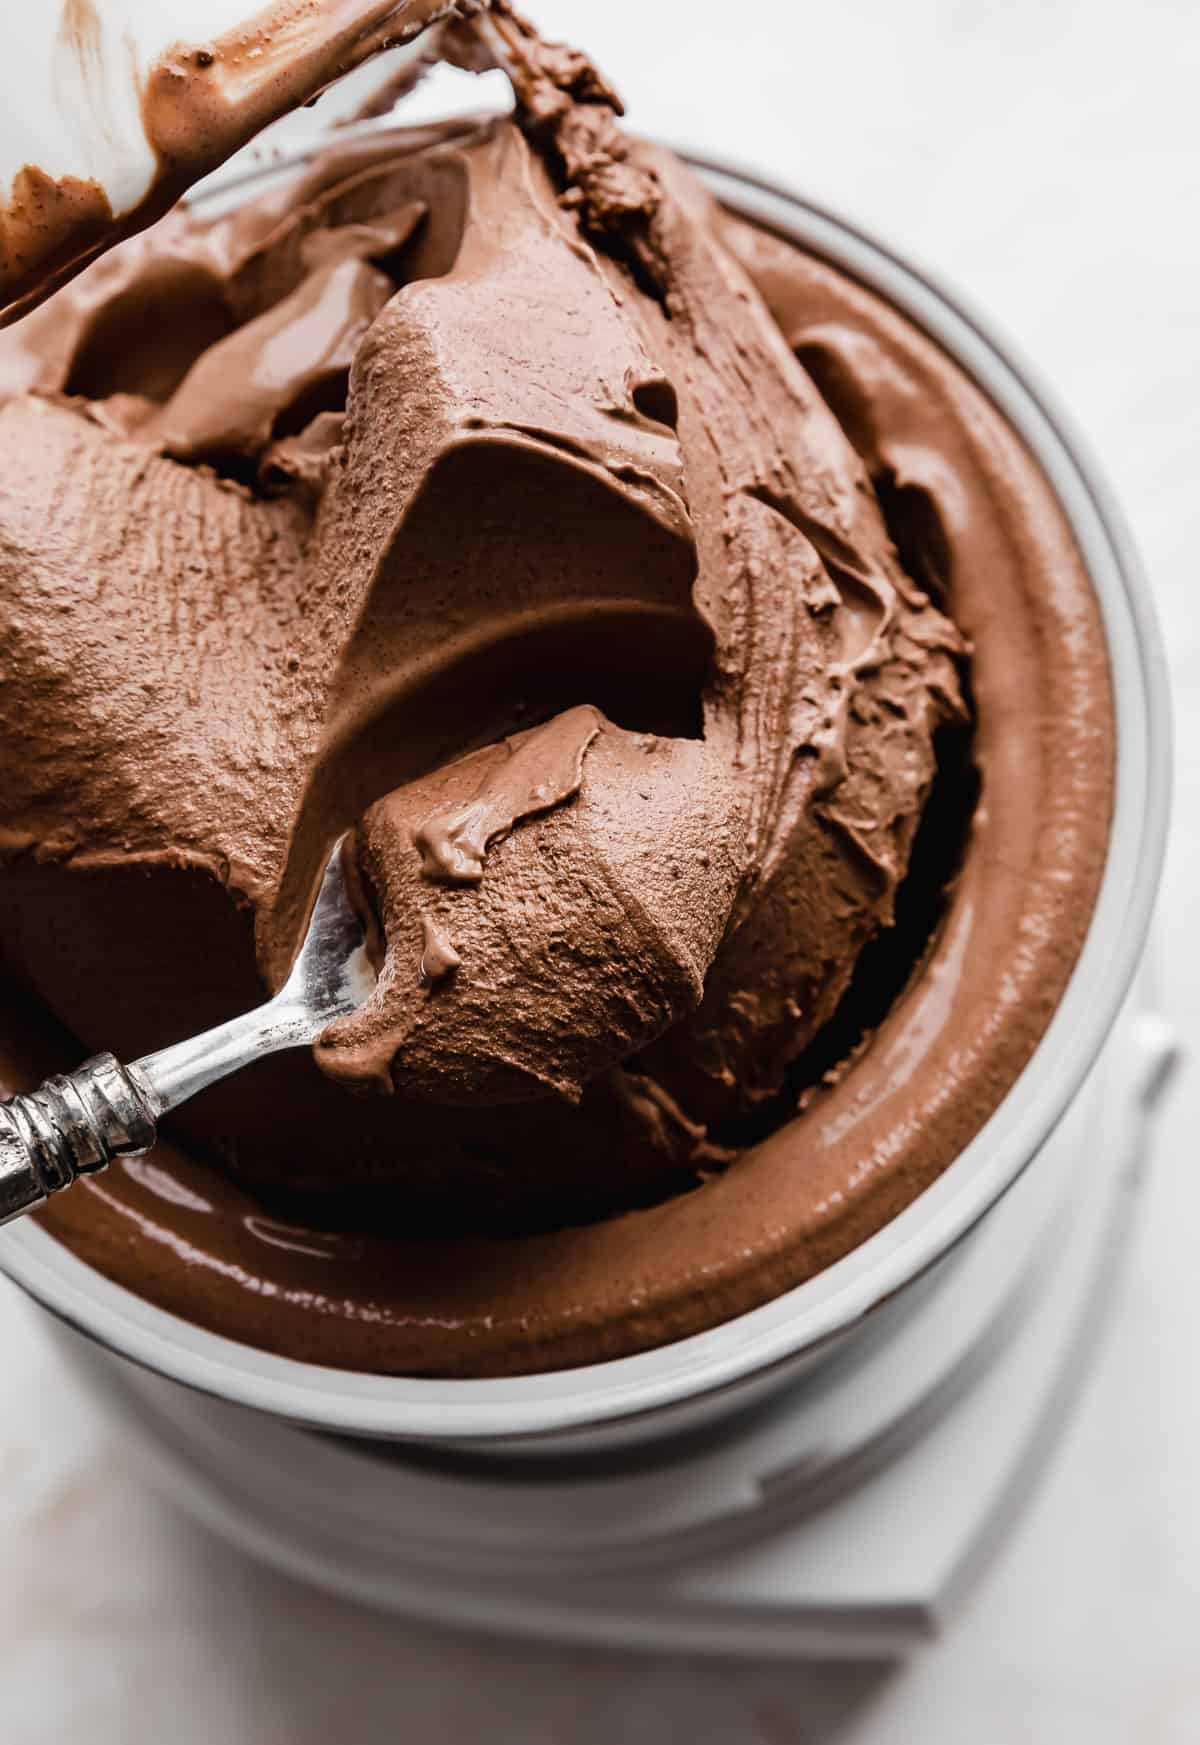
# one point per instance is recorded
(1045, 156)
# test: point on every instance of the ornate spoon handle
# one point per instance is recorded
(76, 1123)
(70, 1126)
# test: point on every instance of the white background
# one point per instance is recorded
(1043, 155)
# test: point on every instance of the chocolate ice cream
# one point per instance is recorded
(705, 672)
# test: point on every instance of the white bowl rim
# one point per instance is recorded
(511, 1408)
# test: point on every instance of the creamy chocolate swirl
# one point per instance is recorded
(471, 492)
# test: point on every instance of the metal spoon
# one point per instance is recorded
(76, 1124)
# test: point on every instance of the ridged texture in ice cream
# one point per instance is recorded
(468, 494)
(728, 520)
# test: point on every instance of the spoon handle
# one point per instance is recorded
(70, 1126)
(75, 1124)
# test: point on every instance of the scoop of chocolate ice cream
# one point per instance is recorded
(547, 907)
